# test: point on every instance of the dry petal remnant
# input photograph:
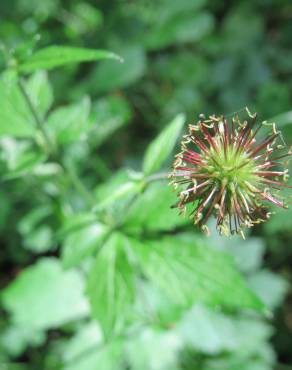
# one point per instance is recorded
(223, 169)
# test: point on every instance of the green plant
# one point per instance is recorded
(97, 271)
(116, 240)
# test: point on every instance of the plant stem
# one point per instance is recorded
(68, 168)
(156, 177)
(38, 121)
(78, 184)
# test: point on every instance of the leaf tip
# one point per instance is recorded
(118, 58)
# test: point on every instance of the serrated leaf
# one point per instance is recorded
(190, 272)
(214, 332)
(58, 56)
(111, 286)
(247, 256)
(278, 287)
(162, 145)
(44, 296)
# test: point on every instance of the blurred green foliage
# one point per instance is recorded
(97, 272)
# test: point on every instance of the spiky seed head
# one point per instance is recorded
(223, 169)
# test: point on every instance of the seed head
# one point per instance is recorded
(224, 170)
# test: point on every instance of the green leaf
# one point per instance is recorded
(278, 287)
(88, 336)
(40, 92)
(248, 257)
(21, 157)
(109, 76)
(67, 124)
(84, 19)
(74, 222)
(82, 243)
(159, 149)
(107, 357)
(157, 214)
(189, 272)
(115, 195)
(35, 230)
(244, 362)
(117, 179)
(283, 119)
(58, 56)
(213, 332)
(153, 302)
(44, 296)
(40, 240)
(15, 117)
(154, 349)
(109, 114)
(280, 222)
(166, 10)
(179, 29)
(16, 339)
(111, 286)
(122, 191)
